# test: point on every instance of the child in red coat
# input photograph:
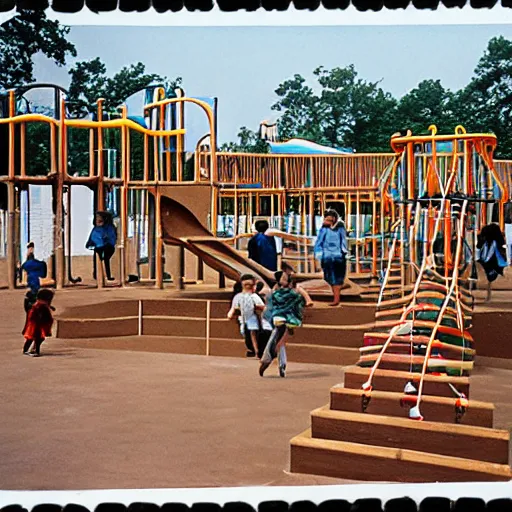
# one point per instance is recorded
(38, 325)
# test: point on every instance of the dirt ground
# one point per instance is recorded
(99, 419)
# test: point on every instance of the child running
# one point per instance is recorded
(288, 269)
(38, 325)
(265, 326)
(249, 304)
(284, 309)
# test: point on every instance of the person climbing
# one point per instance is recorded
(284, 310)
(103, 240)
(331, 250)
(262, 247)
(35, 270)
(493, 259)
(39, 322)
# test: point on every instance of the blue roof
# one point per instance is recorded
(304, 147)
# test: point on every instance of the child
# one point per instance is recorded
(248, 303)
(36, 270)
(262, 247)
(266, 326)
(103, 240)
(284, 307)
(38, 325)
(288, 269)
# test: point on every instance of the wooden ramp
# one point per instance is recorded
(376, 441)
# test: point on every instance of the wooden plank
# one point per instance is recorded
(395, 381)
(401, 362)
(463, 441)
(433, 408)
(340, 459)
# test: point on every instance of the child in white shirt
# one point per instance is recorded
(248, 303)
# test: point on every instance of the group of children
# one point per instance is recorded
(37, 305)
(266, 321)
(38, 302)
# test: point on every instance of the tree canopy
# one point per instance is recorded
(25, 35)
(349, 111)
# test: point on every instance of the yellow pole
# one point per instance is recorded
(101, 171)
(59, 192)
(124, 199)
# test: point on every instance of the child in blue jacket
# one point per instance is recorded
(103, 240)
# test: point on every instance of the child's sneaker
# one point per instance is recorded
(282, 371)
(34, 354)
(26, 353)
(263, 367)
(250, 353)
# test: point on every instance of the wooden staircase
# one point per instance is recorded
(378, 442)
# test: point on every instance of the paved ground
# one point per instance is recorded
(85, 419)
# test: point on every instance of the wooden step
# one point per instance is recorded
(405, 362)
(433, 408)
(340, 459)
(297, 353)
(465, 441)
(72, 328)
(395, 381)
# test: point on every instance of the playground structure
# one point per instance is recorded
(412, 217)
(160, 195)
(418, 357)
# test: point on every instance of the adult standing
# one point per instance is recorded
(262, 247)
(331, 250)
(103, 240)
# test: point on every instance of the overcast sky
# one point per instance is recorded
(242, 66)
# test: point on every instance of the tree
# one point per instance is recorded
(249, 142)
(428, 103)
(348, 111)
(89, 82)
(23, 36)
(486, 103)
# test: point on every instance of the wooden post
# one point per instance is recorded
(180, 277)
(159, 270)
(208, 320)
(200, 271)
(100, 274)
(222, 280)
(11, 254)
(374, 239)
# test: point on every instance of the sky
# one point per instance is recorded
(242, 66)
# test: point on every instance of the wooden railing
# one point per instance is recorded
(267, 171)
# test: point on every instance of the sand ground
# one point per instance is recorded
(80, 418)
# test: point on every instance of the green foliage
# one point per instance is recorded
(486, 102)
(429, 103)
(89, 81)
(345, 113)
(351, 112)
(21, 37)
(249, 142)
